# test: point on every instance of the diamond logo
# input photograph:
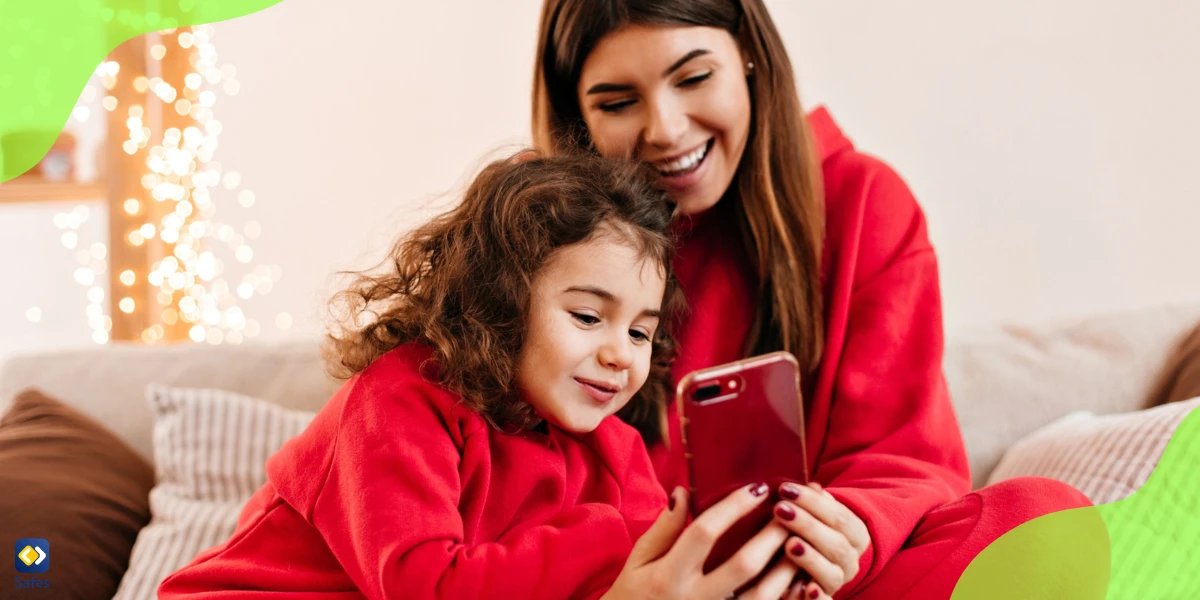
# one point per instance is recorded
(32, 555)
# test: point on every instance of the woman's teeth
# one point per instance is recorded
(684, 164)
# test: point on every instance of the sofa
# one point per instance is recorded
(1006, 383)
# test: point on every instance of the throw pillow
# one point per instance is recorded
(68, 480)
(1106, 457)
(210, 451)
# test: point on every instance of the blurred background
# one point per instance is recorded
(1052, 146)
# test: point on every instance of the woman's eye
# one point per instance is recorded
(585, 319)
(697, 80)
(615, 107)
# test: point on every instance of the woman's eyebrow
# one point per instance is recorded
(601, 88)
(686, 57)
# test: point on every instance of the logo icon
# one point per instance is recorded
(32, 555)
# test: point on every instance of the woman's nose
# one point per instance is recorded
(665, 124)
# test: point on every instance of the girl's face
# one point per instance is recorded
(676, 97)
(593, 312)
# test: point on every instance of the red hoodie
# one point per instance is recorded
(396, 490)
(882, 434)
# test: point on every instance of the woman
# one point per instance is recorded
(794, 240)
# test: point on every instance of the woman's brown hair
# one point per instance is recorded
(462, 283)
(778, 187)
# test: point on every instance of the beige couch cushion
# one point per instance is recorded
(1005, 384)
(109, 383)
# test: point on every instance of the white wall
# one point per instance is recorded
(1051, 143)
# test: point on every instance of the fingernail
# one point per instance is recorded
(797, 550)
(813, 593)
(671, 502)
(758, 489)
(785, 512)
(790, 491)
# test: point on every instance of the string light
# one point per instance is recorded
(92, 267)
(189, 281)
(191, 278)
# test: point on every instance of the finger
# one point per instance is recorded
(813, 591)
(829, 510)
(797, 590)
(524, 156)
(773, 585)
(696, 541)
(825, 573)
(749, 561)
(659, 538)
(829, 542)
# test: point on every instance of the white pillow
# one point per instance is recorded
(210, 454)
(1106, 457)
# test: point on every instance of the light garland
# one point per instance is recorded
(193, 285)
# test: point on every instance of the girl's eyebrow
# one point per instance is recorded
(601, 88)
(601, 293)
(607, 296)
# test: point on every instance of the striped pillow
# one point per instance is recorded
(1106, 457)
(210, 453)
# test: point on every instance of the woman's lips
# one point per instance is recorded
(681, 183)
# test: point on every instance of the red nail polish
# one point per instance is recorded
(785, 512)
(814, 593)
(758, 489)
(797, 550)
(789, 491)
(671, 502)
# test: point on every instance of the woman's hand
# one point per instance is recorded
(830, 537)
(667, 561)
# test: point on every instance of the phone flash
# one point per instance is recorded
(732, 384)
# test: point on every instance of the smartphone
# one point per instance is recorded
(743, 423)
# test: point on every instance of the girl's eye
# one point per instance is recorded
(615, 107)
(640, 336)
(697, 80)
(585, 319)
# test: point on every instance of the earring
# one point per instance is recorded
(749, 66)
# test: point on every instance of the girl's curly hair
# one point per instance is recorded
(462, 282)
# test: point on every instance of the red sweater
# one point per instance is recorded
(396, 490)
(882, 434)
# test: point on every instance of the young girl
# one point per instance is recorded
(473, 451)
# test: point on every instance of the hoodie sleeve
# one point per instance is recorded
(388, 509)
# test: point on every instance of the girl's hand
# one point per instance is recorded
(831, 538)
(667, 561)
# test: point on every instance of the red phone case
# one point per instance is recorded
(743, 423)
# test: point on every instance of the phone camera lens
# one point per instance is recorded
(707, 391)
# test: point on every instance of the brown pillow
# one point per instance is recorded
(68, 480)
(1180, 380)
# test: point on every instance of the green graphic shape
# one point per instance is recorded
(1155, 532)
(50, 48)
(1143, 547)
(1060, 556)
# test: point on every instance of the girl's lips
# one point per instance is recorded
(599, 392)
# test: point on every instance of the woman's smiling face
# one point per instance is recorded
(676, 97)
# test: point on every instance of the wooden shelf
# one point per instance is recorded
(29, 189)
